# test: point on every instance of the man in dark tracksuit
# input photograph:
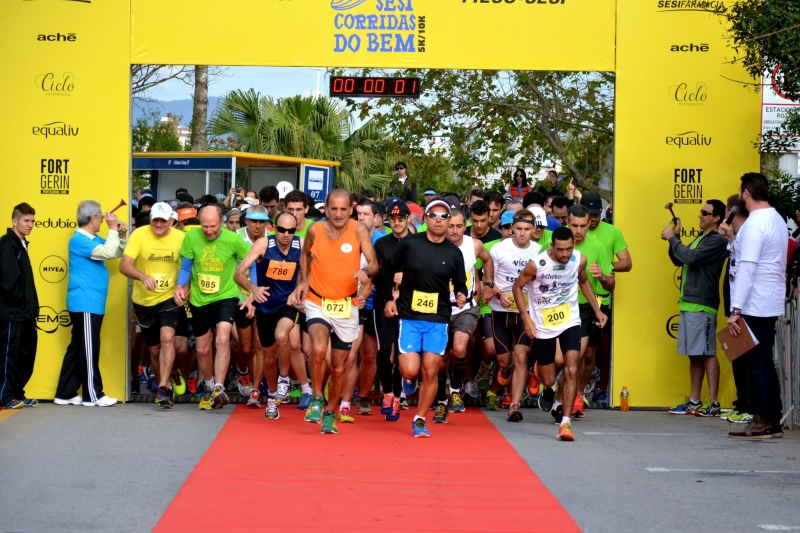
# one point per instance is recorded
(19, 306)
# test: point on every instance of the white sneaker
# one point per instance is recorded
(77, 400)
(105, 401)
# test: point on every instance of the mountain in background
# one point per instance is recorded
(178, 108)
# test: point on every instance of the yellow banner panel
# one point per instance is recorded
(685, 124)
(65, 139)
(474, 34)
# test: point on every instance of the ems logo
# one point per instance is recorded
(49, 319)
(53, 269)
(542, 262)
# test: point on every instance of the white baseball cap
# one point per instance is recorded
(539, 216)
(436, 202)
(161, 210)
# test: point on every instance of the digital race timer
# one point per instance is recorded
(348, 86)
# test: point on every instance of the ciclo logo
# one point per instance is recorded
(53, 269)
(672, 326)
(687, 95)
(58, 223)
(49, 319)
(56, 85)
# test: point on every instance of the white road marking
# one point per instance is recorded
(777, 527)
(653, 434)
(699, 471)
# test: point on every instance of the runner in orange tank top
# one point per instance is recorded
(327, 286)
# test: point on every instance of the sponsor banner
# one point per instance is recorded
(65, 139)
(775, 106)
(383, 33)
(684, 136)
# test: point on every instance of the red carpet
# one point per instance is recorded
(282, 475)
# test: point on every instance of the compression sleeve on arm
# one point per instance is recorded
(253, 274)
(185, 275)
(743, 284)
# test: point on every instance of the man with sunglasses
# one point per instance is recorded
(400, 186)
(511, 343)
(429, 263)
(269, 274)
(330, 270)
(152, 260)
(702, 262)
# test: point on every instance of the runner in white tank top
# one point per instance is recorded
(552, 280)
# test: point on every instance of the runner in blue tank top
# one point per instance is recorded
(269, 273)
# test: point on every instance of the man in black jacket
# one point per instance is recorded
(19, 306)
(702, 263)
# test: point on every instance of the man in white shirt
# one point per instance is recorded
(758, 298)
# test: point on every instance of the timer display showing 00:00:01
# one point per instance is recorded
(356, 87)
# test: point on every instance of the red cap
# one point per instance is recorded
(415, 209)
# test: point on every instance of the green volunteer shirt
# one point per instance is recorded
(545, 240)
(302, 233)
(610, 237)
(214, 263)
(595, 253)
(690, 306)
(486, 309)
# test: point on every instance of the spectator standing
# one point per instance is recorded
(401, 187)
(87, 292)
(19, 306)
(757, 299)
(519, 185)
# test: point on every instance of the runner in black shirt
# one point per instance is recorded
(429, 263)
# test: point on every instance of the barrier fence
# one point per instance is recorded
(787, 362)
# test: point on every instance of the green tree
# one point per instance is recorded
(316, 128)
(149, 134)
(490, 120)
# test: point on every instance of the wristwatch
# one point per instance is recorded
(490, 284)
(736, 312)
(366, 271)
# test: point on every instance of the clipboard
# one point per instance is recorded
(735, 347)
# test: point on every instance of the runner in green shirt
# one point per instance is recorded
(209, 258)
(296, 205)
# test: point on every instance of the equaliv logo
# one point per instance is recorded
(344, 5)
(384, 26)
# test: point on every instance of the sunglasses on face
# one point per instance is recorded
(705, 213)
(398, 220)
(440, 216)
(400, 168)
(290, 231)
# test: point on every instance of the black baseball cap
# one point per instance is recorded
(396, 207)
(593, 203)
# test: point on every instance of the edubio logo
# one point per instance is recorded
(53, 269)
(689, 96)
(53, 85)
(55, 129)
(688, 138)
(392, 27)
(49, 319)
(58, 223)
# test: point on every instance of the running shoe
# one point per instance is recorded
(557, 414)
(491, 402)
(514, 414)
(688, 407)
(440, 416)
(178, 383)
(387, 404)
(403, 403)
(314, 411)
(506, 399)
(484, 377)
(345, 416)
(601, 397)
(457, 403)
(565, 432)
(593, 379)
(471, 389)
(410, 387)
(77, 400)
(546, 399)
(191, 383)
(135, 387)
(30, 402)
(533, 385)
(329, 423)
(144, 375)
(15, 404)
(152, 386)
(305, 401)
(244, 385)
(164, 398)
(255, 398)
(364, 407)
(232, 383)
(504, 375)
(295, 393)
(272, 412)
(219, 398)
(200, 388)
(420, 429)
(740, 418)
(394, 416)
(577, 407)
(284, 388)
(708, 409)
(205, 398)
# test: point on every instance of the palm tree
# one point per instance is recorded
(316, 128)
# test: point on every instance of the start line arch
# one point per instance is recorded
(683, 127)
